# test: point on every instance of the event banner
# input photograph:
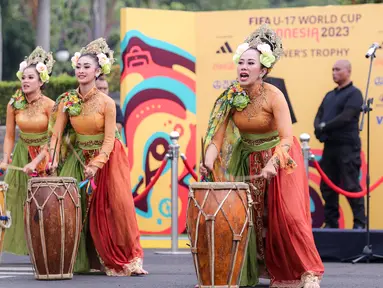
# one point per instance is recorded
(175, 64)
(158, 96)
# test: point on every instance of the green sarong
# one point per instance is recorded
(73, 168)
(239, 167)
(14, 240)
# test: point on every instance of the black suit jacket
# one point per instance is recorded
(280, 84)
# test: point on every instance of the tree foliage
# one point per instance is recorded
(71, 22)
(18, 37)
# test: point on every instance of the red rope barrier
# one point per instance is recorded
(153, 181)
(341, 191)
(191, 171)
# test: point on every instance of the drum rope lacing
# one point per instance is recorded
(247, 203)
(52, 186)
(7, 218)
(7, 221)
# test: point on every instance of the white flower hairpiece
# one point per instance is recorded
(103, 61)
(41, 68)
(267, 58)
(44, 63)
(22, 66)
(74, 59)
(264, 48)
(240, 50)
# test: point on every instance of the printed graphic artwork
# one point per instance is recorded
(158, 86)
(158, 89)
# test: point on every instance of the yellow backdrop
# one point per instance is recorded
(175, 64)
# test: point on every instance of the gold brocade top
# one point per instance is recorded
(35, 117)
(265, 113)
(98, 116)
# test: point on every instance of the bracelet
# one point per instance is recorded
(276, 162)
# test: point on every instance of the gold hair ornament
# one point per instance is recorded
(266, 41)
(100, 48)
(44, 63)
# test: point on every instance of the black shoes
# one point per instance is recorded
(355, 227)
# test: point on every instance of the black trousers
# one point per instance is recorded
(342, 163)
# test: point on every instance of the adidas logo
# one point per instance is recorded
(225, 48)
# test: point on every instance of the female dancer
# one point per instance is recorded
(99, 155)
(30, 110)
(250, 138)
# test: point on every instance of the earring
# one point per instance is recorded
(98, 74)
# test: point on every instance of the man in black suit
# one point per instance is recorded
(280, 84)
(336, 125)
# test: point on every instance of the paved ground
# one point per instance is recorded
(171, 271)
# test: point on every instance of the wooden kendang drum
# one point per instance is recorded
(218, 221)
(5, 216)
(52, 218)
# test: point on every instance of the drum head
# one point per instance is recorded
(52, 180)
(219, 185)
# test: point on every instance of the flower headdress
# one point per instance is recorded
(266, 41)
(44, 63)
(100, 48)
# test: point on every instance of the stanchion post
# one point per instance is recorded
(174, 149)
(305, 139)
(173, 153)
